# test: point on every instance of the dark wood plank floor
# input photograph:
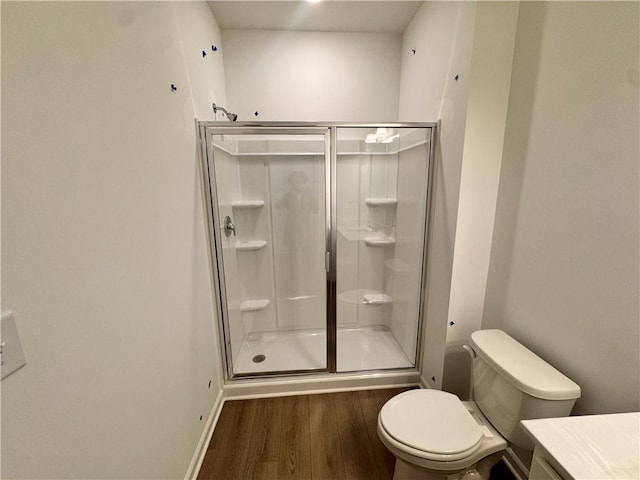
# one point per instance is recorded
(319, 437)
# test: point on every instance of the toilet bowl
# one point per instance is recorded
(434, 435)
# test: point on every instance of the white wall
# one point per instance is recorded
(442, 35)
(490, 78)
(104, 252)
(312, 76)
(563, 276)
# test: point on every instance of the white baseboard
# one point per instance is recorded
(205, 438)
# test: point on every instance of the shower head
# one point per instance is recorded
(232, 117)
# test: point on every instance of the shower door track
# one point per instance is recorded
(205, 130)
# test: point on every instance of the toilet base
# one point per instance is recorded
(481, 471)
(407, 471)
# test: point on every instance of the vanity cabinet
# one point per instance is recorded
(585, 447)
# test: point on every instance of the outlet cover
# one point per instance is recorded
(11, 354)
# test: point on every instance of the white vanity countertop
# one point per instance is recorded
(592, 446)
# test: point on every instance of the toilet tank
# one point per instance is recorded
(511, 383)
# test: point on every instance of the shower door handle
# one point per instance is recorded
(229, 227)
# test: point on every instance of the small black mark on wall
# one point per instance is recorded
(256, 113)
(457, 77)
(209, 384)
(200, 417)
(452, 323)
(214, 48)
(204, 54)
(433, 379)
(173, 88)
(413, 50)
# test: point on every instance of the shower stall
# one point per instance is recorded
(318, 237)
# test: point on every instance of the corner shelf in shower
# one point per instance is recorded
(379, 240)
(380, 202)
(254, 305)
(252, 245)
(377, 299)
(364, 296)
(246, 204)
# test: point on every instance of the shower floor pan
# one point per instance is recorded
(363, 348)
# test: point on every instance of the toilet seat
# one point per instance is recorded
(432, 423)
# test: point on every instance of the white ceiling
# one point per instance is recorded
(325, 16)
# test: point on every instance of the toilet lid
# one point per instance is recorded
(430, 421)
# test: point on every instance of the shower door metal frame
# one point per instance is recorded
(206, 129)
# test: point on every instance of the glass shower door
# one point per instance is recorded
(268, 195)
(381, 209)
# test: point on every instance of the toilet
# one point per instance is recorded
(436, 436)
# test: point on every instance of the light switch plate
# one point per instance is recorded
(11, 356)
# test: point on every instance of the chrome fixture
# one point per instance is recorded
(231, 116)
(229, 226)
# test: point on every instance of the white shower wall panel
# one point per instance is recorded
(254, 269)
(383, 179)
(226, 171)
(405, 268)
(348, 221)
(254, 224)
(361, 266)
(370, 267)
(351, 179)
(297, 202)
(369, 258)
(348, 186)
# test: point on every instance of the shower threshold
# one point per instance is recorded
(358, 348)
